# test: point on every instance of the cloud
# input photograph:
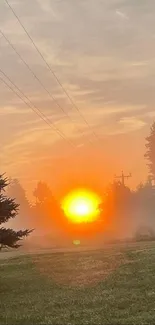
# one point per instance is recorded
(10, 110)
(131, 123)
(122, 15)
(46, 6)
(103, 54)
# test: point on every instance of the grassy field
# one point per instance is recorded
(115, 285)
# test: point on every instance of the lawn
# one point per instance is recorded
(115, 285)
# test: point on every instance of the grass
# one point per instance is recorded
(115, 285)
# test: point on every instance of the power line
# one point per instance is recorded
(34, 75)
(33, 107)
(49, 67)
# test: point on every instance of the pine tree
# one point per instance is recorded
(24, 218)
(15, 190)
(9, 209)
(150, 153)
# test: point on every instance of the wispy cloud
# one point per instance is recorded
(122, 15)
(102, 52)
(8, 110)
(131, 123)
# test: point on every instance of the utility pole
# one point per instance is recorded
(123, 177)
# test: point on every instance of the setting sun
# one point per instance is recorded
(81, 206)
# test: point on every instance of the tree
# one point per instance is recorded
(150, 153)
(8, 210)
(15, 190)
(46, 211)
(42, 192)
(116, 210)
(144, 203)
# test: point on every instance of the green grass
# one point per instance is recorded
(115, 285)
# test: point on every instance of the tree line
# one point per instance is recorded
(122, 208)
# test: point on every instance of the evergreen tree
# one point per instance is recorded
(8, 210)
(47, 212)
(42, 192)
(15, 190)
(150, 153)
(24, 218)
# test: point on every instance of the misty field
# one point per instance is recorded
(115, 285)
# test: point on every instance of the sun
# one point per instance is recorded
(81, 206)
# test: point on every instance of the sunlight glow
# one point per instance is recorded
(76, 242)
(81, 206)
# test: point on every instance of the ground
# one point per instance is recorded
(114, 285)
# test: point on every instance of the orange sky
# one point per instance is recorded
(103, 54)
(88, 166)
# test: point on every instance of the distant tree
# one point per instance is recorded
(24, 218)
(144, 202)
(146, 191)
(42, 192)
(145, 234)
(150, 153)
(15, 190)
(46, 211)
(117, 206)
(9, 210)
(118, 197)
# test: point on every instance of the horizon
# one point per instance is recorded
(77, 173)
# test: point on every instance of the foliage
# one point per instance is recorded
(145, 234)
(15, 190)
(24, 218)
(8, 210)
(42, 192)
(150, 153)
(46, 211)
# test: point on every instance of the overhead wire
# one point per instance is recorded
(34, 75)
(51, 70)
(34, 107)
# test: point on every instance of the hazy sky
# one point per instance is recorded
(103, 52)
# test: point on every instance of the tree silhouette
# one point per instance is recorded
(145, 202)
(15, 190)
(116, 209)
(47, 212)
(150, 153)
(9, 210)
(42, 192)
